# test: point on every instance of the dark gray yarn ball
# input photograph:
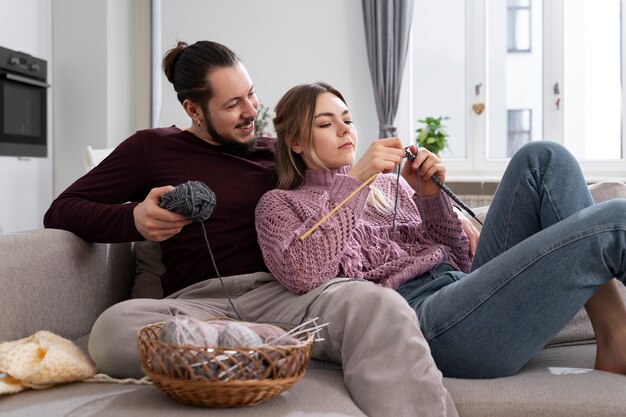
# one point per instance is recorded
(192, 199)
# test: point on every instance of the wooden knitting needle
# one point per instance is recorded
(344, 201)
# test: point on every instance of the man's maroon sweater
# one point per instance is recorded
(99, 206)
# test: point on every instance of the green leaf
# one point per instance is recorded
(433, 135)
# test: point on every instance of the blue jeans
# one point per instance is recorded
(544, 250)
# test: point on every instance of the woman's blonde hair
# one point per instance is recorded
(295, 113)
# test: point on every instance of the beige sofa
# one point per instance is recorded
(52, 280)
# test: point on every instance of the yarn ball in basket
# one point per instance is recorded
(189, 331)
(235, 334)
(269, 333)
(257, 366)
(186, 331)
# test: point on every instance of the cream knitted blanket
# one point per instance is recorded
(40, 361)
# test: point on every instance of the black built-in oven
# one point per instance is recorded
(23, 105)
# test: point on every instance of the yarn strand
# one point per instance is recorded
(195, 200)
(206, 239)
(395, 202)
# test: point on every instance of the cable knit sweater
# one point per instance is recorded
(357, 241)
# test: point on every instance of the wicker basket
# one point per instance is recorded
(221, 376)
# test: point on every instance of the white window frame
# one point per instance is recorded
(554, 72)
(477, 166)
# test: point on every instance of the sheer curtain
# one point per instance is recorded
(387, 30)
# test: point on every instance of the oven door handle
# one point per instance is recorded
(25, 80)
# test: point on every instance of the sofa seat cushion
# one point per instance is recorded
(557, 382)
(318, 393)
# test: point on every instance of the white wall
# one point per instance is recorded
(98, 53)
(26, 184)
(98, 66)
(80, 70)
(102, 74)
(100, 99)
(282, 43)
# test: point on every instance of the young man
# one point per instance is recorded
(372, 331)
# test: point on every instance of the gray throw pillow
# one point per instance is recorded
(148, 270)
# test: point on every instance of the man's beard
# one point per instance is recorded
(228, 145)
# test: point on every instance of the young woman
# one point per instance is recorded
(545, 248)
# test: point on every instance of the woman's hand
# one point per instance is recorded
(418, 173)
(470, 230)
(383, 155)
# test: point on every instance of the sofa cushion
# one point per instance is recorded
(557, 382)
(318, 393)
(52, 279)
(149, 269)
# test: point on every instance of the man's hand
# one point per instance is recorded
(153, 222)
(470, 230)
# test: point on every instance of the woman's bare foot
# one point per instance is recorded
(611, 354)
(607, 312)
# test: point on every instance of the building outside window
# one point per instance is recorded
(519, 26)
(519, 129)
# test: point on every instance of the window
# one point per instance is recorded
(518, 129)
(508, 72)
(515, 78)
(518, 30)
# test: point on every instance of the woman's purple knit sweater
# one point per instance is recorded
(357, 241)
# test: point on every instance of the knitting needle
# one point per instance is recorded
(298, 330)
(344, 201)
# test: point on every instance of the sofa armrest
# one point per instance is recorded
(53, 280)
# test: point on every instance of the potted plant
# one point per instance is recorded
(433, 136)
(262, 120)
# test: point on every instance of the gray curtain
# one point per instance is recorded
(387, 29)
